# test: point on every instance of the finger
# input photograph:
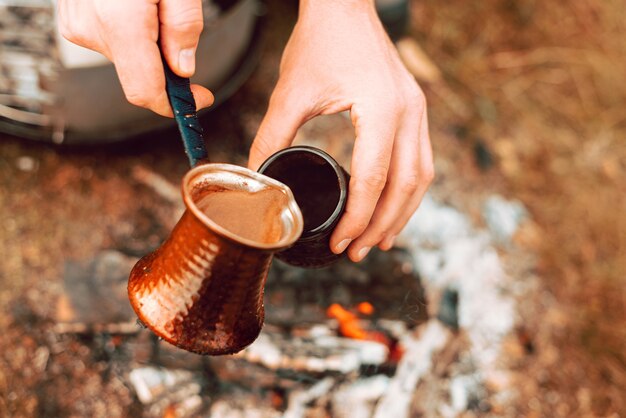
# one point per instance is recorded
(202, 96)
(278, 129)
(140, 71)
(180, 27)
(403, 181)
(426, 176)
(77, 24)
(375, 131)
(135, 52)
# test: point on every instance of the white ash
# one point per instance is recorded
(357, 399)
(415, 363)
(226, 409)
(503, 217)
(395, 328)
(152, 382)
(299, 400)
(315, 354)
(450, 253)
(463, 390)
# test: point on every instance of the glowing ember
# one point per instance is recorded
(365, 308)
(349, 323)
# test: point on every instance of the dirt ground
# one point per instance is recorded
(531, 105)
(542, 83)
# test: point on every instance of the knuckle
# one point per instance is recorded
(356, 225)
(394, 105)
(429, 173)
(371, 182)
(409, 184)
(375, 234)
(67, 32)
(190, 27)
(72, 32)
(416, 98)
(106, 14)
(185, 21)
(137, 99)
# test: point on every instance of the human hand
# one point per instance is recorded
(340, 58)
(129, 33)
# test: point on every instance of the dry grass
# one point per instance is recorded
(544, 82)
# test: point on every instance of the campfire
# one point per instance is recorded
(320, 336)
(352, 326)
(350, 340)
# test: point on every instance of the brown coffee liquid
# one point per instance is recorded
(314, 185)
(251, 215)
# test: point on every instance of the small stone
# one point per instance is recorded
(448, 308)
(26, 163)
(482, 156)
(40, 359)
(465, 392)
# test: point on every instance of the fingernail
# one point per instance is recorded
(187, 61)
(391, 241)
(363, 252)
(341, 247)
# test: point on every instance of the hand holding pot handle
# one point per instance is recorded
(129, 33)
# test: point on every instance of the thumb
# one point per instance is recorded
(179, 32)
(278, 129)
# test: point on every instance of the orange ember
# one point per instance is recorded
(349, 324)
(365, 308)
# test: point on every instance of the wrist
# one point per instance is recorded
(309, 6)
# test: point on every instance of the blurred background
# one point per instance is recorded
(506, 295)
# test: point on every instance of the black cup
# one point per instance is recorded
(320, 186)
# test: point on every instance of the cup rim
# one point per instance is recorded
(284, 242)
(343, 189)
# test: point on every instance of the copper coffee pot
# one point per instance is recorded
(202, 290)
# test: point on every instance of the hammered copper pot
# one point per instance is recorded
(202, 290)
